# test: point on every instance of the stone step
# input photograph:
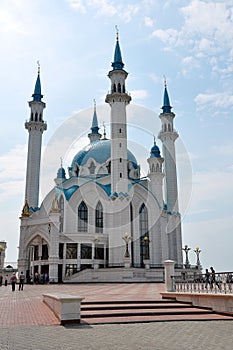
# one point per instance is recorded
(134, 311)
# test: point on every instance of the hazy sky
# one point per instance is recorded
(189, 42)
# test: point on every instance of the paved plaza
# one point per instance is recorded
(27, 324)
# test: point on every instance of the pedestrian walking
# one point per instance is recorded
(21, 280)
(212, 279)
(13, 281)
(6, 281)
(207, 277)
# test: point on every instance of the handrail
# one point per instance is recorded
(218, 283)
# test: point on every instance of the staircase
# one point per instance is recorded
(107, 312)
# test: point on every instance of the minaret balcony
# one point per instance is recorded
(118, 97)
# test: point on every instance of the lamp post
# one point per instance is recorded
(127, 239)
(95, 263)
(96, 240)
(186, 249)
(146, 245)
(197, 250)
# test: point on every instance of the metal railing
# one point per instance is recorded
(218, 283)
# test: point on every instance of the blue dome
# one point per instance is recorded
(61, 174)
(100, 151)
(155, 152)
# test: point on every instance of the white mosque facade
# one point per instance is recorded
(102, 221)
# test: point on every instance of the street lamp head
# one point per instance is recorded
(197, 250)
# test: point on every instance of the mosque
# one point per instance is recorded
(102, 221)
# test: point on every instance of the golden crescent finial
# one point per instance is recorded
(38, 64)
(104, 135)
(117, 32)
(165, 81)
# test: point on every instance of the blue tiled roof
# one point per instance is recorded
(155, 152)
(100, 151)
(37, 91)
(61, 174)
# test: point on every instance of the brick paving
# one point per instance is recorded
(27, 324)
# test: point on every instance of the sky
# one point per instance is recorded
(74, 42)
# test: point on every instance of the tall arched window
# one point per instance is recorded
(61, 207)
(99, 218)
(144, 234)
(92, 168)
(82, 217)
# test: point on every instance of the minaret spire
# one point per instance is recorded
(117, 63)
(94, 135)
(35, 127)
(37, 91)
(166, 102)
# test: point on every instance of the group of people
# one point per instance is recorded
(210, 278)
(13, 281)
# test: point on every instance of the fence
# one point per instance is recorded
(218, 283)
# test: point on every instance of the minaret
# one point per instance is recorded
(168, 136)
(156, 174)
(35, 127)
(118, 100)
(94, 135)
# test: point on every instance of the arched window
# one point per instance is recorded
(61, 208)
(114, 87)
(92, 168)
(119, 87)
(82, 217)
(99, 217)
(144, 234)
(36, 117)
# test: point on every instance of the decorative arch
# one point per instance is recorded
(92, 168)
(82, 217)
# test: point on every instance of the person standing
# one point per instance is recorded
(21, 280)
(13, 282)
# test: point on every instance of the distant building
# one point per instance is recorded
(102, 214)
(3, 247)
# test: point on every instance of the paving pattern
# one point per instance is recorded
(27, 324)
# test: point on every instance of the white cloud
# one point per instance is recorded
(213, 100)
(77, 5)
(139, 94)
(207, 31)
(148, 22)
(10, 24)
(13, 164)
(106, 8)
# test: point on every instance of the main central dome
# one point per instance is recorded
(100, 151)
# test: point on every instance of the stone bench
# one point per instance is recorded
(66, 307)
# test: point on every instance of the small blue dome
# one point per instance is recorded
(155, 152)
(61, 174)
(100, 151)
